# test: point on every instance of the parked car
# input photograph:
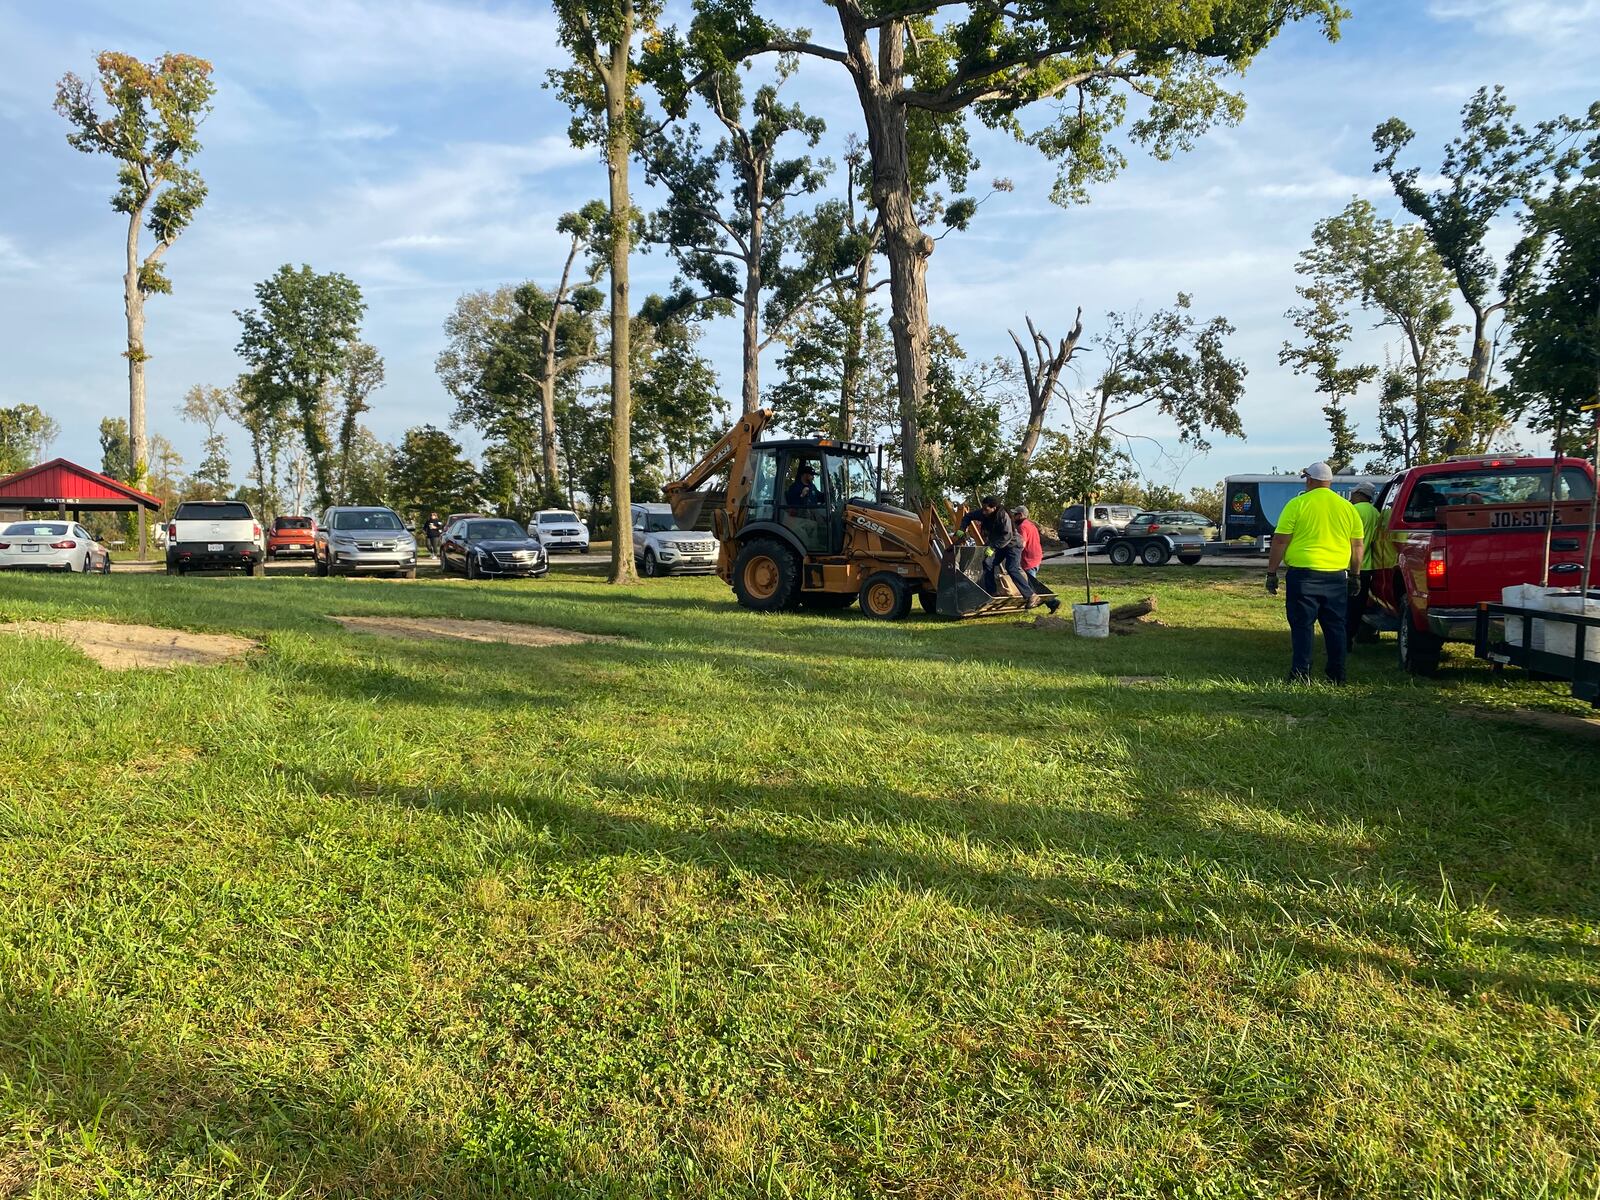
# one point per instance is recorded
(52, 546)
(560, 529)
(481, 547)
(355, 539)
(214, 534)
(291, 536)
(1173, 520)
(1105, 522)
(1456, 533)
(661, 548)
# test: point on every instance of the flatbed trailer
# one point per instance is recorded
(1576, 668)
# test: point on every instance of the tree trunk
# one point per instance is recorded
(133, 303)
(547, 432)
(751, 393)
(617, 151)
(854, 345)
(878, 84)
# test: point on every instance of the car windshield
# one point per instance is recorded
(213, 512)
(292, 523)
(659, 522)
(370, 519)
(1494, 485)
(28, 529)
(558, 518)
(497, 531)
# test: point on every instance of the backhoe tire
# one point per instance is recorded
(827, 601)
(929, 601)
(1420, 650)
(885, 597)
(1122, 554)
(766, 575)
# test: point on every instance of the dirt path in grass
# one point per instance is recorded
(127, 647)
(504, 632)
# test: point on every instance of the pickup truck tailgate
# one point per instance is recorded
(1490, 546)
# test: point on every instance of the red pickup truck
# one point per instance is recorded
(1455, 533)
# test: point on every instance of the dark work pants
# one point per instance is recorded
(1008, 560)
(1317, 598)
(1358, 609)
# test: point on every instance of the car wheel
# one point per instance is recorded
(1190, 560)
(766, 575)
(105, 568)
(1420, 651)
(1121, 554)
(884, 596)
(318, 566)
(472, 567)
(1104, 537)
(1155, 554)
(651, 567)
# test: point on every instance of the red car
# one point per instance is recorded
(291, 535)
(1457, 533)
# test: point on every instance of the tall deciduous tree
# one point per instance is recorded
(296, 342)
(731, 242)
(1041, 362)
(151, 128)
(910, 75)
(1325, 333)
(431, 474)
(679, 399)
(208, 407)
(25, 431)
(1393, 271)
(360, 374)
(603, 37)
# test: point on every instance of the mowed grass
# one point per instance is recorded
(799, 906)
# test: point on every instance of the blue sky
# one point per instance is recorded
(411, 145)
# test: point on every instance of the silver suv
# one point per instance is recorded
(660, 547)
(352, 540)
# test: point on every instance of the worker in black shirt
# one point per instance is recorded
(1000, 535)
(803, 492)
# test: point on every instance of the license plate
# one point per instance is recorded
(30, 549)
(213, 547)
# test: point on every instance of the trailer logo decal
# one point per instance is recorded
(1242, 502)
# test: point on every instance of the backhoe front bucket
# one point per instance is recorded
(962, 595)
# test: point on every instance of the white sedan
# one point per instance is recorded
(51, 546)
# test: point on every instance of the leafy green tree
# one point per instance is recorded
(151, 128)
(1394, 272)
(1325, 332)
(264, 413)
(208, 407)
(1555, 369)
(296, 343)
(360, 374)
(964, 453)
(114, 448)
(733, 243)
(26, 430)
(367, 478)
(430, 473)
(678, 398)
(603, 38)
(915, 79)
(838, 372)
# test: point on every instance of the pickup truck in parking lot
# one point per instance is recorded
(1457, 533)
(206, 535)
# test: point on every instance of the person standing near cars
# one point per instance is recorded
(1000, 535)
(433, 530)
(1319, 540)
(1032, 548)
(1361, 500)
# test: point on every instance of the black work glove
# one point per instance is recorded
(1353, 585)
(1272, 583)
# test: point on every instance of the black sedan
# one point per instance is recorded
(484, 547)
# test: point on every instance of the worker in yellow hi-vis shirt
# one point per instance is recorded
(1371, 518)
(1320, 539)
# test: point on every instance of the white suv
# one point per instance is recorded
(661, 548)
(560, 529)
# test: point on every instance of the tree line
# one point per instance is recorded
(582, 392)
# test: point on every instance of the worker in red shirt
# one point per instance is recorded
(1032, 551)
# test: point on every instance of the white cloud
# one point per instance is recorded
(1549, 22)
(12, 260)
(1327, 185)
(421, 241)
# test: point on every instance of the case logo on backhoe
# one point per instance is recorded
(865, 523)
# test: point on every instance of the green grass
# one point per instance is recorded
(801, 906)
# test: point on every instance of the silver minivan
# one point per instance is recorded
(358, 539)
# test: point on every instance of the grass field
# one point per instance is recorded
(799, 906)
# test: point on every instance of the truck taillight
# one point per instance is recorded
(1436, 569)
(172, 532)
(257, 528)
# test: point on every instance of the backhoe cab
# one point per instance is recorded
(800, 523)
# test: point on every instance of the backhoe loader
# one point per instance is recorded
(785, 542)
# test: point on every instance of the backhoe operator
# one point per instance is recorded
(803, 492)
